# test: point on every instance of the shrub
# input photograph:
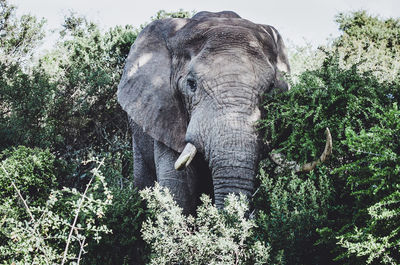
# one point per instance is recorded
(373, 178)
(125, 244)
(304, 58)
(56, 231)
(290, 208)
(32, 170)
(350, 103)
(212, 237)
(379, 240)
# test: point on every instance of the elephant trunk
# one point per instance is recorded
(224, 131)
(233, 160)
(231, 177)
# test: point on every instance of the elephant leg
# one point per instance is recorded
(144, 171)
(181, 184)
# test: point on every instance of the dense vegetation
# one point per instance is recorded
(66, 194)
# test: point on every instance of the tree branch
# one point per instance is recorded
(74, 222)
(19, 194)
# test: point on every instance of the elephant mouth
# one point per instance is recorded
(186, 157)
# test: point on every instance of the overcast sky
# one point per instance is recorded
(310, 21)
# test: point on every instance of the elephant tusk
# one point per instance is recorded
(327, 151)
(282, 163)
(186, 156)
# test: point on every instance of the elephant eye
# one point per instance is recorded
(192, 84)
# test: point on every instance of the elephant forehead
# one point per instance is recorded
(236, 29)
(223, 34)
(252, 41)
(216, 22)
(212, 62)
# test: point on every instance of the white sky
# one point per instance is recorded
(298, 21)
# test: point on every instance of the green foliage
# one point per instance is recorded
(18, 36)
(362, 113)
(22, 94)
(212, 237)
(24, 107)
(88, 65)
(379, 240)
(179, 14)
(373, 178)
(33, 170)
(290, 209)
(303, 58)
(55, 232)
(373, 174)
(327, 97)
(124, 245)
(66, 102)
(162, 14)
(371, 42)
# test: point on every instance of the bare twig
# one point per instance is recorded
(74, 222)
(34, 223)
(82, 243)
(19, 194)
(365, 152)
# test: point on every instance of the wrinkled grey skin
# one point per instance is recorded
(200, 80)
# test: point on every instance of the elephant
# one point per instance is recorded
(192, 89)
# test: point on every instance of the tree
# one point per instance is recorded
(23, 91)
(371, 42)
(18, 36)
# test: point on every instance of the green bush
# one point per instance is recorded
(86, 68)
(378, 241)
(289, 210)
(31, 170)
(350, 103)
(125, 244)
(56, 231)
(23, 93)
(212, 237)
(373, 178)
(18, 35)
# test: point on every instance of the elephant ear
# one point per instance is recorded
(281, 60)
(145, 91)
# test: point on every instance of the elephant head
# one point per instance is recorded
(196, 85)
